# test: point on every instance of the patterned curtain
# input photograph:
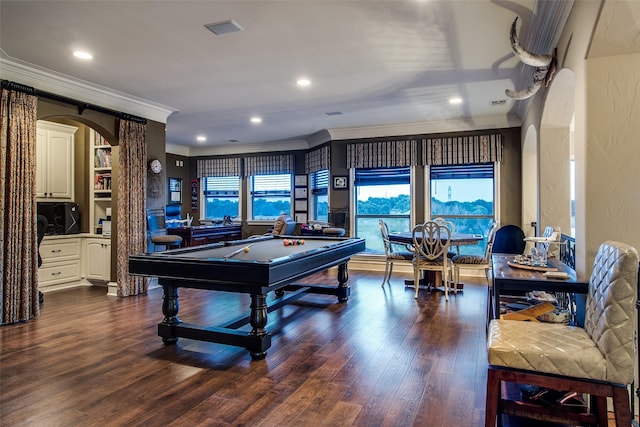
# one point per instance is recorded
(382, 154)
(132, 187)
(462, 150)
(218, 167)
(18, 244)
(317, 160)
(269, 165)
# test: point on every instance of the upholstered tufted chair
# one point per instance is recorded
(597, 360)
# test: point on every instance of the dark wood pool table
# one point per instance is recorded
(267, 266)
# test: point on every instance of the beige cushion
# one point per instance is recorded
(333, 231)
(545, 347)
(166, 239)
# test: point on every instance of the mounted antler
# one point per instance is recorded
(545, 67)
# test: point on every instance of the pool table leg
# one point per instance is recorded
(343, 288)
(170, 307)
(259, 339)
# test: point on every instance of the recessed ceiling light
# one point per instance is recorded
(455, 100)
(82, 55)
(201, 138)
(303, 82)
(256, 120)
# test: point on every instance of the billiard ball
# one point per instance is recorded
(245, 249)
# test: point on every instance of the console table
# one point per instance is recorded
(205, 234)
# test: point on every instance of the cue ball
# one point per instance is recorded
(246, 249)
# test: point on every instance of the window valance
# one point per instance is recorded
(316, 160)
(218, 167)
(382, 154)
(269, 165)
(462, 150)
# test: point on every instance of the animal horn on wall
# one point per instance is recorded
(544, 71)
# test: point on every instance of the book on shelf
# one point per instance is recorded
(98, 140)
(102, 181)
(103, 158)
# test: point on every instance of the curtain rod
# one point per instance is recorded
(81, 106)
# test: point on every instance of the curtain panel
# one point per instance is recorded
(132, 220)
(269, 165)
(462, 150)
(317, 160)
(18, 242)
(218, 167)
(382, 154)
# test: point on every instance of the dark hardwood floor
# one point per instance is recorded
(381, 359)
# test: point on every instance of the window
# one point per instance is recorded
(464, 195)
(270, 196)
(381, 193)
(320, 195)
(221, 196)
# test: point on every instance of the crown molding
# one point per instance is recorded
(416, 128)
(249, 148)
(178, 150)
(63, 85)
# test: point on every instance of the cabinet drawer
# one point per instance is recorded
(58, 273)
(60, 250)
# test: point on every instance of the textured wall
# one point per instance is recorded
(613, 151)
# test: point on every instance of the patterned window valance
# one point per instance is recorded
(462, 150)
(382, 154)
(269, 165)
(218, 167)
(317, 160)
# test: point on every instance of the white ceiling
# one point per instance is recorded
(378, 62)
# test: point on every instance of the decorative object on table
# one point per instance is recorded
(340, 182)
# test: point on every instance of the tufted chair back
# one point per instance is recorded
(610, 312)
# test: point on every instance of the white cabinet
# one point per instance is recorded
(61, 262)
(98, 259)
(54, 161)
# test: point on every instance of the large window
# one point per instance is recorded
(320, 195)
(381, 193)
(221, 196)
(270, 196)
(464, 195)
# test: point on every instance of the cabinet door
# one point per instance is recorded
(60, 168)
(98, 261)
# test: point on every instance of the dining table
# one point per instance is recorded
(509, 275)
(457, 239)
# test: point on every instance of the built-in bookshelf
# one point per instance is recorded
(101, 174)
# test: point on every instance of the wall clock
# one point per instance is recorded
(155, 166)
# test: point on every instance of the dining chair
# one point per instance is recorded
(509, 239)
(597, 360)
(391, 254)
(431, 244)
(157, 231)
(475, 262)
(452, 228)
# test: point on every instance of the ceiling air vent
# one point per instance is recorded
(498, 102)
(334, 113)
(224, 27)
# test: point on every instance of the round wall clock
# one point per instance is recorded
(155, 165)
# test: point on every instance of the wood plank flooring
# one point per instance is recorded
(381, 359)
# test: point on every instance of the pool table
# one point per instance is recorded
(252, 266)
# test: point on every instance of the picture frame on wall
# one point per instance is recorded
(300, 181)
(340, 182)
(175, 191)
